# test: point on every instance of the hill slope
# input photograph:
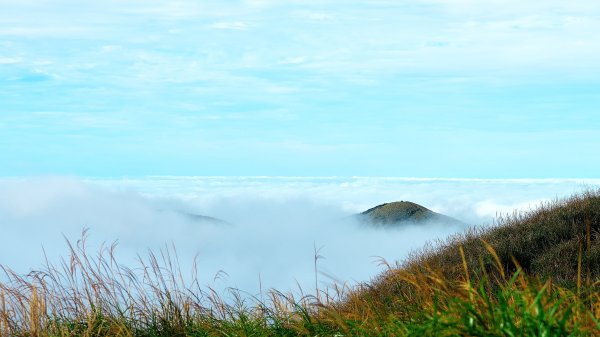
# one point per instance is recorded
(546, 243)
(402, 212)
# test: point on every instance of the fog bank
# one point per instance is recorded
(273, 224)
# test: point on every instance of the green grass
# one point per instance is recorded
(533, 274)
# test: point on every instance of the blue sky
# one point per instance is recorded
(430, 88)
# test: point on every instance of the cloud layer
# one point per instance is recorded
(275, 223)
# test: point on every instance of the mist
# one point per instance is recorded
(271, 228)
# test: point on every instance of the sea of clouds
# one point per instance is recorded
(273, 224)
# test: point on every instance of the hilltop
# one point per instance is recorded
(403, 212)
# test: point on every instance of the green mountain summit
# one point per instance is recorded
(402, 212)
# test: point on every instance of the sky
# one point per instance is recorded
(421, 88)
(284, 118)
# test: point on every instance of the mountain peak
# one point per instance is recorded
(399, 212)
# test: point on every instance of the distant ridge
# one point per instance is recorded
(403, 212)
(205, 218)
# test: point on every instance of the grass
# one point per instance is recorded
(532, 274)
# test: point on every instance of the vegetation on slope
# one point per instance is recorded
(402, 212)
(547, 242)
(558, 243)
(533, 274)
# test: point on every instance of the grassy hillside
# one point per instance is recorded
(557, 245)
(533, 274)
(402, 212)
(546, 242)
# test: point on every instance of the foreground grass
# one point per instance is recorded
(535, 274)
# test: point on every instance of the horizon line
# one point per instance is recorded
(284, 177)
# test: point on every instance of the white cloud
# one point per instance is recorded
(490, 209)
(293, 60)
(10, 60)
(381, 38)
(315, 15)
(230, 25)
(274, 221)
(41, 32)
